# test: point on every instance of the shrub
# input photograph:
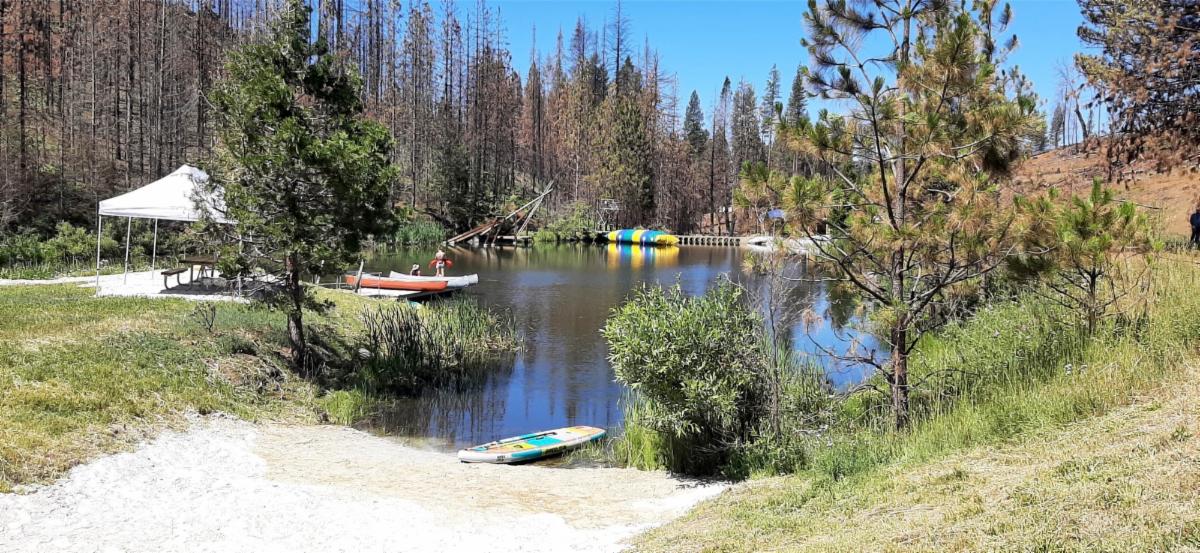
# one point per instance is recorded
(576, 223)
(72, 243)
(21, 249)
(697, 367)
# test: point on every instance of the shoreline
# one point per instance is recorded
(225, 484)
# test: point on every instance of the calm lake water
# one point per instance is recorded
(560, 296)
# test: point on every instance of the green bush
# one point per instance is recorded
(545, 235)
(75, 244)
(576, 223)
(697, 367)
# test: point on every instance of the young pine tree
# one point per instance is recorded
(304, 173)
(931, 132)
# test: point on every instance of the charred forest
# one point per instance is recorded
(101, 96)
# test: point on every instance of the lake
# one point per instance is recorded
(560, 296)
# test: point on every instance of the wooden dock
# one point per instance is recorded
(708, 240)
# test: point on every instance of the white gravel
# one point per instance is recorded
(227, 485)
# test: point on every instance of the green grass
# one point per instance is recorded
(81, 376)
(1029, 378)
(46, 271)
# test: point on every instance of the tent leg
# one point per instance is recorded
(128, 227)
(154, 249)
(99, 226)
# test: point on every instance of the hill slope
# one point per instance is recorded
(1125, 481)
(1170, 196)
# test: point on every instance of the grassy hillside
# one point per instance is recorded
(1125, 481)
(1096, 451)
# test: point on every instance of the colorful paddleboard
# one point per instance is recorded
(531, 446)
(644, 237)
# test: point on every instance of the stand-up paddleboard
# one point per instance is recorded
(531, 446)
(451, 281)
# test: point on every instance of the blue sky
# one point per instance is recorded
(703, 41)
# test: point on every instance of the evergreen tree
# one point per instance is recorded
(304, 173)
(747, 142)
(1057, 123)
(1148, 71)
(628, 81)
(627, 164)
(796, 106)
(768, 108)
(926, 214)
(693, 126)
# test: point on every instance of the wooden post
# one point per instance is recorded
(99, 227)
(128, 228)
(358, 281)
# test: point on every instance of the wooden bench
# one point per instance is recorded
(173, 272)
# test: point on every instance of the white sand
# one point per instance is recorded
(226, 485)
(140, 284)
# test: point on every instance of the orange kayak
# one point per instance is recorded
(371, 281)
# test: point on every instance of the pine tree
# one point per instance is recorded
(693, 126)
(926, 213)
(796, 106)
(1057, 122)
(1147, 69)
(626, 169)
(768, 112)
(304, 173)
(747, 141)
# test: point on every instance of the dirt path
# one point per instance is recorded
(226, 485)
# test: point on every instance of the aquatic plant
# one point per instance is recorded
(418, 232)
(451, 344)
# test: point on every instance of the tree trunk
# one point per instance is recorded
(295, 292)
(899, 377)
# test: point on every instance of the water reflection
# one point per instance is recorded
(560, 297)
(637, 256)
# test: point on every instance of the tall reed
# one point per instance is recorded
(452, 344)
(418, 233)
(1019, 366)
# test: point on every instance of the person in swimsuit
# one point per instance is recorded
(439, 262)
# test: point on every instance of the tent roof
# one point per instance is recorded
(176, 197)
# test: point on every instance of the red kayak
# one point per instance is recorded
(433, 263)
(372, 281)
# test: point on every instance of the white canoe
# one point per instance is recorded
(531, 446)
(451, 281)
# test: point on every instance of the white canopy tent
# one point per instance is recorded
(180, 196)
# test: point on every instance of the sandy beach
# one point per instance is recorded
(227, 485)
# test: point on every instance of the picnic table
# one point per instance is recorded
(207, 264)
